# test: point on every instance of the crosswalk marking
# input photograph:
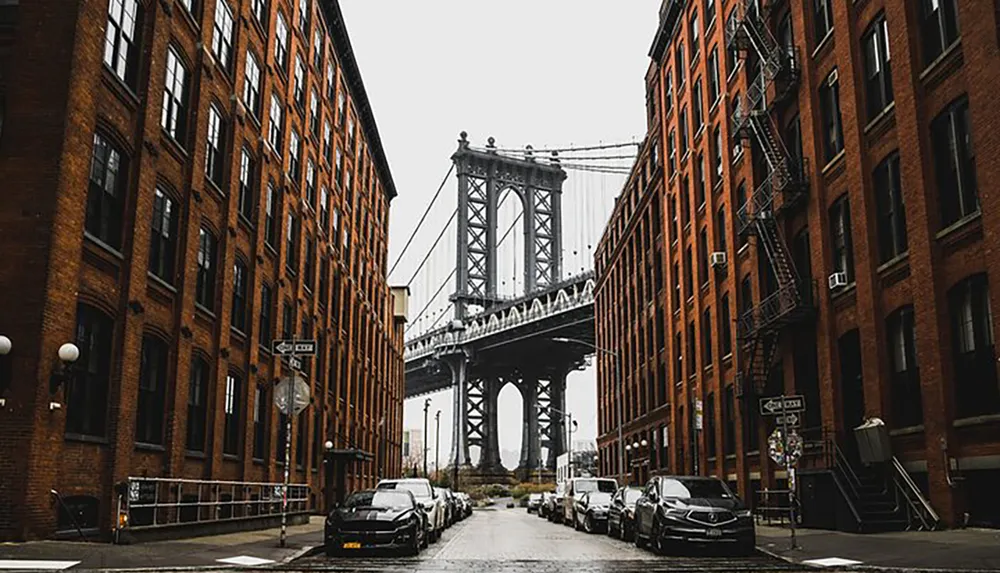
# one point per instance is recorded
(245, 560)
(831, 562)
(29, 565)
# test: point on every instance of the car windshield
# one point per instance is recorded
(588, 485)
(420, 490)
(599, 498)
(384, 498)
(631, 495)
(693, 488)
(535, 496)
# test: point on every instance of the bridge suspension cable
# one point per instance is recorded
(572, 149)
(434, 246)
(422, 218)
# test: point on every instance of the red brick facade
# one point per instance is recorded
(60, 84)
(952, 434)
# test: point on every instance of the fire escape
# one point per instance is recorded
(784, 186)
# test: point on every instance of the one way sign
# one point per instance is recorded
(293, 347)
(773, 405)
(789, 419)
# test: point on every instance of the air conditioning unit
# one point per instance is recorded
(837, 280)
(718, 259)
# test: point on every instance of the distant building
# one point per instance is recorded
(413, 451)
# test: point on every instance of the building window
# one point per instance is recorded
(703, 256)
(152, 390)
(840, 232)
(729, 419)
(324, 209)
(86, 395)
(276, 126)
(121, 42)
(668, 92)
(677, 287)
(699, 180)
(688, 273)
(292, 244)
(695, 35)
(260, 12)
(327, 142)
(672, 218)
(251, 84)
(891, 214)
(341, 103)
(163, 242)
(746, 296)
(311, 182)
(829, 101)
(318, 48)
(214, 159)
(720, 230)
(231, 430)
(691, 353)
(314, 112)
(197, 406)
(726, 327)
(938, 27)
(299, 92)
(710, 425)
(309, 265)
(975, 378)
(706, 337)
(106, 193)
(878, 67)
(680, 64)
(907, 405)
(713, 76)
(672, 153)
(271, 216)
(304, 17)
(741, 207)
(264, 326)
(294, 162)
(678, 363)
(174, 115)
(281, 41)
(324, 272)
(685, 202)
(732, 51)
(222, 34)
(697, 111)
(248, 193)
(287, 321)
(682, 121)
(241, 277)
(822, 18)
(205, 287)
(955, 162)
(260, 412)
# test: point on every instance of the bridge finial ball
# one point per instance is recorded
(491, 141)
(464, 135)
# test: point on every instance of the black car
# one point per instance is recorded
(591, 511)
(622, 511)
(376, 519)
(699, 510)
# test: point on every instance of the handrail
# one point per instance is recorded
(842, 462)
(72, 518)
(847, 497)
(911, 488)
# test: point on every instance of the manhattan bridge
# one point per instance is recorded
(505, 293)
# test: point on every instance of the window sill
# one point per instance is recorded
(160, 282)
(707, 369)
(238, 333)
(173, 146)
(103, 246)
(727, 359)
(684, 158)
(85, 439)
(263, 349)
(843, 296)
(230, 457)
(202, 312)
(894, 269)
(695, 59)
(121, 89)
(194, 454)
(246, 222)
(958, 232)
(942, 67)
(698, 133)
(730, 457)
(976, 420)
(834, 164)
(259, 461)
(882, 122)
(144, 447)
(715, 105)
(821, 47)
(908, 431)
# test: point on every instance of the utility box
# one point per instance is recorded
(874, 446)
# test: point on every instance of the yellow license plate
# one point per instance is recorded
(352, 545)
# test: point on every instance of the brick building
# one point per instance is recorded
(184, 181)
(828, 230)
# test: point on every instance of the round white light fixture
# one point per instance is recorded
(645, 443)
(635, 445)
(5, 346)
(69, 352)
(628, 447)
(328, 445)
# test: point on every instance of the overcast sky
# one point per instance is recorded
(541, 72)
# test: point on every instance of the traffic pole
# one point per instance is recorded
(288, 461)
(789, 475)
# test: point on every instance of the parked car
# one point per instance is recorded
(576, 487)
(555, 511)
(376, 519)
(592, 511)
(432, 503)
(534, 501)
(621, 512)
(544, 504)
(700, 510)
(466, 503)
(449, 506)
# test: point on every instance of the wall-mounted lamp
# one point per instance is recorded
(5, 346)
(644, 443)
(68, 354)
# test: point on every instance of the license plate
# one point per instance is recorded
(352, 545)
(713, 532)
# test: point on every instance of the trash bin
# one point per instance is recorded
(874, 446)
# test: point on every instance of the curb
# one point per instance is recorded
(789, 560)
(872, 568)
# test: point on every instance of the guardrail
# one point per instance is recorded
(147, 503)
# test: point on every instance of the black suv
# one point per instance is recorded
(699, 510)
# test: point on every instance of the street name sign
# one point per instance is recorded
(290, 347)
(773, 405)
(788, 419)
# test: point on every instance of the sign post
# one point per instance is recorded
(291, 396)
(787, 409)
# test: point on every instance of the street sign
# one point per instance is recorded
(782, 452)
(773, 405)
(291, 395)
(294, 363)
(791, 419)
(293, 347)
(699, 419)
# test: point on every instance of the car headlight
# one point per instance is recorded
(428, 506)
(675, 513)
(744, 513)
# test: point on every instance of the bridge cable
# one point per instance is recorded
(421, 222)
(572, 149)
(431, 251)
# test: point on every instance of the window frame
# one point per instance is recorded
(196, 431)
(223, 25)
(86, 393)
(207, 263)
(122, 40)
(890, 209)
(876, 59)
(104, 215)
(173, 116)
(241, 293)
(163, 245)
(151, 389)
(832, 121)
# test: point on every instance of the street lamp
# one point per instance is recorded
(572, 425)
(437, 445)
(621, 393)
(5, 346)
(427, 407)
(68, 354)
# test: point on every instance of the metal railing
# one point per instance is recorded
(773, 505)
(917, 504)
(146, 503)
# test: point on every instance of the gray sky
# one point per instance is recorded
(539, 72)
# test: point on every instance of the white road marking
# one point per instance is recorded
(245, 560)
(36, 565)
(831, 562)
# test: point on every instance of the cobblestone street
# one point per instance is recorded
(511, 540)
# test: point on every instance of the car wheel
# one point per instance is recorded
(659, 547)
(746, 547)
(332, 551)
(637, 538)
(626, 530)
(610, 531)
(588, 523)
(413, 548)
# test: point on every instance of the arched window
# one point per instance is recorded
(197, 410)
(241, 277)
(205, 286)
(150, 406)
(976, 390)
(87, 392)
(232, 407)
(106, 192)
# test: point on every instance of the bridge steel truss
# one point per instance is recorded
(784, 188)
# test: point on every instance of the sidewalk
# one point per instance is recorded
(244, 548)
(953, 550)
